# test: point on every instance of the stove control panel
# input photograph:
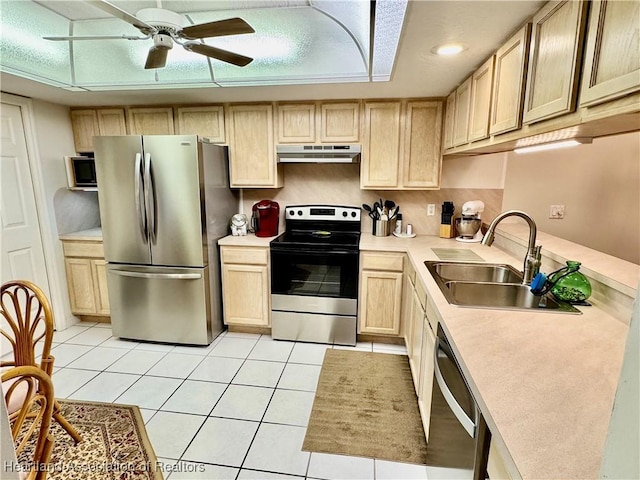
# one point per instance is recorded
(322, 212)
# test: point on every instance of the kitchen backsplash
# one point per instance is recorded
(75, 210)
(338, 184)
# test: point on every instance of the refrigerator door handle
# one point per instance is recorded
(168, 276)
(149, 198)
(138, 193)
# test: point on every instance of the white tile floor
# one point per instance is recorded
(237, 409)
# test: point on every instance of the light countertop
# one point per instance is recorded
(91, 235)
(544, 381)
(249, 240)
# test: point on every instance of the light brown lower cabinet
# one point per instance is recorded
(86, 278)
(415, 348)
(380, 299)
(427, 365)
(246, 289)
(496, 468)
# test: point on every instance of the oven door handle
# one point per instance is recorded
(309, 251)
(467, 423)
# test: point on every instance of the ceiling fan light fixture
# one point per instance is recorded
(449, 49)
(162, 40)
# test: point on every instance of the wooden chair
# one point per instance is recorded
(28, 320)
(28, 393)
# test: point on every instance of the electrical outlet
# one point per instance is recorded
(556, 212)
(431, 209)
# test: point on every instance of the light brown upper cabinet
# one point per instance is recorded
(481, 82)
(296, 123)
(381, 145)
(508, 83)
(150, 121)
(449, 119)
(340, 122)
(87, 123)
(554, 60)
(252, 156)
(461, 115)
(421, 158)
(401, 145)
(85, 126)
(111, 121)
(612, 58)
(207, 122)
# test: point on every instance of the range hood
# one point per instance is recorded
(318, 153)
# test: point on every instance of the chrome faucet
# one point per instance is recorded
(533, 256)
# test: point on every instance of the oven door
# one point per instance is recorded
(308, 272)
(314, 295)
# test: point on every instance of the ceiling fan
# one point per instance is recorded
(166, 27)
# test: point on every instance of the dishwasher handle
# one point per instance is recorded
(467, 423)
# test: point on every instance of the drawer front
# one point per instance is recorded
(421, 292)
(381, 261)
(83, 249)
(432, 317)
(247, 256)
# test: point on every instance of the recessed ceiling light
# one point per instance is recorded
(448, 49)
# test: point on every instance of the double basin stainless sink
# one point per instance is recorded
(490, 285)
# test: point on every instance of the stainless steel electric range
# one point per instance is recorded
(314, 275)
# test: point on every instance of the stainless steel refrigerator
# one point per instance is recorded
(164, 203)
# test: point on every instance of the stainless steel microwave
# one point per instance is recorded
(81, 173)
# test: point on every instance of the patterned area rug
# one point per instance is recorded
(365, 405)
(114, 444)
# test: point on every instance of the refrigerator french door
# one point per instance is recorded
(162, 265)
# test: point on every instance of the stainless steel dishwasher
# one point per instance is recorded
(458, 434)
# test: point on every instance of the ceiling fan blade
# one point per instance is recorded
(157, 58)
(218, 54)
(98, 37)
(117, 12)
(232, 26)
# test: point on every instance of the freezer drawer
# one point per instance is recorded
(161, 304)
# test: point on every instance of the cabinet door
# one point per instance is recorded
(80, 284)
(426, 376)
(150, 121)
(508, 84)
(251, 149)
(245, 290)
(340, 122)
(296, 123)
(206, 122)
(417, 327)
(422, 154)
(481, 83)
(407, 303)
(381, 146)
(612, 58)
(85, 126)
(461, 117)
(101, 294)
(554, 60)
(111, 121)
(380, 299)
(449, 119)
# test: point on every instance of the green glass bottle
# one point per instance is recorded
(572, 287)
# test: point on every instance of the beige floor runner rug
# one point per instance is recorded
(114, 444)
(365, 405)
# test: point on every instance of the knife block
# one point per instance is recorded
(447, 230)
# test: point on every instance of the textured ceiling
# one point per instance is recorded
(482, 26)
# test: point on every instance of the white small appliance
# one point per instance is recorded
(468, 226)
(239, 224)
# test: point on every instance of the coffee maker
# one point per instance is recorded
(265, 218)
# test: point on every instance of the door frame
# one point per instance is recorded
(55, 278)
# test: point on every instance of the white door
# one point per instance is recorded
(22, 255)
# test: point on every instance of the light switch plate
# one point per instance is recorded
(556, 212)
